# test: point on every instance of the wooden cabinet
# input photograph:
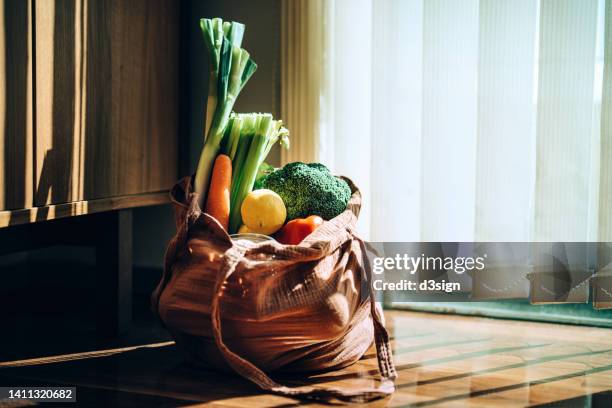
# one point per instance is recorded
(16, 120)
(88, 124)
(88, 105)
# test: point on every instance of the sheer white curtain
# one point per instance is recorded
(467, 120)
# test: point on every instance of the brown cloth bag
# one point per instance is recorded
(273, 307)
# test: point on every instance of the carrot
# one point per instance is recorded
(218, 200)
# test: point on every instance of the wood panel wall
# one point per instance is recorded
(106, 102)
(16, 178)
(88, 99)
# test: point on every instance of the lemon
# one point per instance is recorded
(263, 212)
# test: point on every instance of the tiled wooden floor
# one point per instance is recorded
(442, 360)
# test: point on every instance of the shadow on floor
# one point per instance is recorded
(153, 375)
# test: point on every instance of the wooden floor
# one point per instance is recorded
(443, 361)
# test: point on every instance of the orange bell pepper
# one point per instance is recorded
(296, 230)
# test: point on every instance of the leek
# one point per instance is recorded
(230, 69)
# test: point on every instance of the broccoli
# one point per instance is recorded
(264, 170)
(309, 189)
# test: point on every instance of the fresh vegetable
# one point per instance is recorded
(230, 69)
(218, 201)
(296, 230)
(309, 189)
(263, 212)
(247, 141)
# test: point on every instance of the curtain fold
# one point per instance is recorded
(605, 189)
(302, 43)
(602, 295)
(565, 109)
(397, 60)
(505, 148)
(448, 146)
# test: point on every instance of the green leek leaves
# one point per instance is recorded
(230, 69)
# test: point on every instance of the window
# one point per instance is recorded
(463, 120)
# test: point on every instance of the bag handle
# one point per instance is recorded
(191, 215)
(249, 371)
(384, 353)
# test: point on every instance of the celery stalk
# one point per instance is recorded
(231, 137)
(259, 132)
(245, 183)
(249, 122)
(234, 138)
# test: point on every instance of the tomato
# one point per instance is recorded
(296, 230)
